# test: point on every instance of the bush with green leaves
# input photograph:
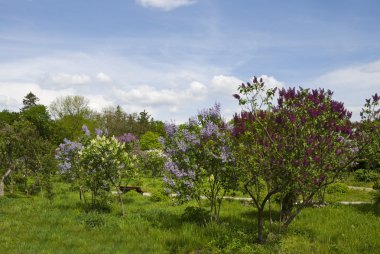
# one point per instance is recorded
(151, 162)
(366, 175)
(149, 141)
(337, 188)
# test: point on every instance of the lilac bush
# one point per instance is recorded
(199, 161)
(296, 146)
(95, 163)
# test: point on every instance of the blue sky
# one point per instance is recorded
(174, 57)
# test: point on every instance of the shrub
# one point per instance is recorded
(337, 188)
(159, 196)
(196, 214)
(364, 175)
(376, 185)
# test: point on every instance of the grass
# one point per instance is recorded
(62, 225)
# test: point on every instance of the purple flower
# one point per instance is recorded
(375, 98)
(209, 130)
(98, 132)
(170, 129)
(236, 96)
(127, 138)
(85, 130)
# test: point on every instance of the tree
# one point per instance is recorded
(96, 163)
(8, 117)
(72, 105)
(199, 160)
(26, 156)
(296, 147)
(114, 120)
(29, 100)
(370, 130)
(149, 140)
(40, 118)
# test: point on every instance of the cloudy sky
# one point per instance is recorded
(174, 57)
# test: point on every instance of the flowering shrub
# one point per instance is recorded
(129, 140)
(96, 163)
(297, 146)
(104, 161)
(199, 161)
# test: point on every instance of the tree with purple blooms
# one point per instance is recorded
(296, 146)
(199, 161)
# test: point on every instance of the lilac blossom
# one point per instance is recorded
(127, 138)
(85, 130)
(170, 128)
(98, 132)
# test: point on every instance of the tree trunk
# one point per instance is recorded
(260, 222)
(2, 188)
(2, 181)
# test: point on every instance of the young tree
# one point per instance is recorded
(199, 162)
(296, 147)
(96, 163)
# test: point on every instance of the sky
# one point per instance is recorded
(176, 57)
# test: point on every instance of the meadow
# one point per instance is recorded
(154, 224)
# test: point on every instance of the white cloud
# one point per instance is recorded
(271, 82)
(226, 85)
(352, 85)
(166, 5)
(14, 92)
(145, 95)
(64, 79)
(357, 77)
(103, 78)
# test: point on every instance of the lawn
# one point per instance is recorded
(63, 225)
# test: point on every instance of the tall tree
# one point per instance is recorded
(70, 106)
(29, 100)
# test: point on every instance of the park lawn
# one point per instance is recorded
(62, 225)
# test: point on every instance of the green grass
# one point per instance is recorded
(350, 195)
(62, 225)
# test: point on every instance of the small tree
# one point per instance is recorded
(199, 161)
(296, 147)
(104, 162)
(96, 163)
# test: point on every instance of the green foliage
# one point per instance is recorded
(40, 118)
(159, 196)
(197, 215)
(8, 117)
(366, 175)
(151, 162)
(376, 185)
(337, 188)
(149, 141)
